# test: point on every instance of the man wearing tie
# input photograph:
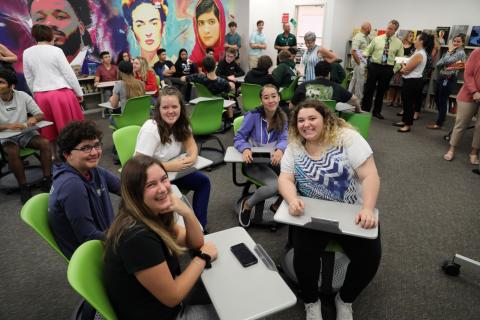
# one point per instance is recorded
(382, 52)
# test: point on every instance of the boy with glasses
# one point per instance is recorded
(79, 207)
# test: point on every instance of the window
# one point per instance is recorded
(310, 18)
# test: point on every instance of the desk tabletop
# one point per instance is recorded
(106, 84)
(226, 103)
(240, 79)
(329, 216)
(199, 165)
(233, 155)
(12, 133)
(243, 293)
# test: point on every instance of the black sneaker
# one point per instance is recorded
(25, 194)
(46, 184)
(244, 216)
(378, 116)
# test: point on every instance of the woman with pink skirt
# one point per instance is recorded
(53, 83)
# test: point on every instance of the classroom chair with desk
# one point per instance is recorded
(250, 96)
(360, 121)
(286, 94)
(136, 112)
(125, 140)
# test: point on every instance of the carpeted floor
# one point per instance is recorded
(429, 208)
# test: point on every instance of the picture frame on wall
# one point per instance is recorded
(456, 30)
(474, 39)
(442, 35)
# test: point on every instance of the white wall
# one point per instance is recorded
(242, 11)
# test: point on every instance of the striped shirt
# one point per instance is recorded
(310, 58)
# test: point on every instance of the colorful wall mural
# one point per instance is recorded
(84, 28)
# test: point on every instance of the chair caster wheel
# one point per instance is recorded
(446, 138)
(451, 268)
(273, 229)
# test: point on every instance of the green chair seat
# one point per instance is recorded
(35, 213)
(331, 104)
(360, 121)
(136, 112)
(202, 91)
(250, 96)
(287, 93)
(125, 140)
(85, 275)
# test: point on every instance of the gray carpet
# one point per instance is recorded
(429, 210)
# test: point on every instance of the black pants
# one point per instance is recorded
(411, 98)
(443, 90)
(308, 245)
(378, 76)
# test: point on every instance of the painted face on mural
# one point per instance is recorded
(60, 16)
(147, 26)
(208, 28)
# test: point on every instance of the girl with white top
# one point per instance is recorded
(52, 81)
(165, 136)
(314, 54)
(412, 73)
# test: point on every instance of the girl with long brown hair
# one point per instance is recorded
(128, 87)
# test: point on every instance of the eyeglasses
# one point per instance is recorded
(88, 148)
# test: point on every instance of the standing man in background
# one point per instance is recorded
(285, 40)
(257, 45)
(233, 39)
(360, 42)
(382, 52)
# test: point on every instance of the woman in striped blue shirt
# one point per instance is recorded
(313, 55)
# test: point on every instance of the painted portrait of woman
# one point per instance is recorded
(209, 25)
(146, 19)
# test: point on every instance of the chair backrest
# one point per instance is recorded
(361, 121)
(85, 275)
(203, 91)
(159, 82)
(250, 96)
(125, 140)
(206, 117)
(287, 93)
(331, 104)
(135, 113)
(237, 123)
(35, 213)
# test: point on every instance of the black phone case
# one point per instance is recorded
(244, 255)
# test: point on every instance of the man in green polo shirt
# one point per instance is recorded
(285, 40)
(382, 52)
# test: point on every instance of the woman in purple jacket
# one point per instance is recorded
(266, 126)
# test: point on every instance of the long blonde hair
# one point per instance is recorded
(134, 211)
(133, 87)
(143, 68)
(332, 125)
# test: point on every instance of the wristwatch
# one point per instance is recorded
(205, 257)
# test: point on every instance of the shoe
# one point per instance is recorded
(449, 156)
(46, 184)
(25, 194)
(244, 215)
(379, 116)
(434, 126)
(398, 124)
(399, 114)
(344, 310)
(474, 159)
(417, 117)
(402, 130)
(313, 311)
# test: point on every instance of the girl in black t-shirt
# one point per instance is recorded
(142, 273)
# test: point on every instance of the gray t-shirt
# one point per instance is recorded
(119, 90)
(15, 110)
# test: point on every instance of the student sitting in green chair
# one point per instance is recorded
(285, 72)
(265, 126)
(142, 273)
(322, 88)
(165, 136)
(14, 106)
(128, 87)
(79, 206)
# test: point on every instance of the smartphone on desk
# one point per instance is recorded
(244, 255)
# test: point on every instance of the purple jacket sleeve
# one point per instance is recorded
(283, 138)
(240, 141)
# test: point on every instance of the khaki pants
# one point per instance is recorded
(465, 113)
(252, 61)
(357, 83)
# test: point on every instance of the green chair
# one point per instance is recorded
(287, 93)
(159, 82)
(205, 120)
(331, 104)
(360, 121)
(346, 80)
(250, 96)
(125, 140)
(203, 91)
(135, 113)
(85, 275)
(35, 213)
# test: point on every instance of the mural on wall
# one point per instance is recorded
(83, 28)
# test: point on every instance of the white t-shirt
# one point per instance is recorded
(15, 110)
(332, 176)
(418, 71)
(149, 143)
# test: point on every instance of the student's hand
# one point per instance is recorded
(296, 207)
(179, 206)
(210, 249)
(247, 156)
(366, 219)
(476, 96)
(17, 126)
(31, 121)
(277, 157)
(450, 46)
(231, 78)
(183, 163)
(188, 161)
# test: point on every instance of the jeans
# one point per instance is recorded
(444, 88)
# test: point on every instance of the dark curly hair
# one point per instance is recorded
(74, 133)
